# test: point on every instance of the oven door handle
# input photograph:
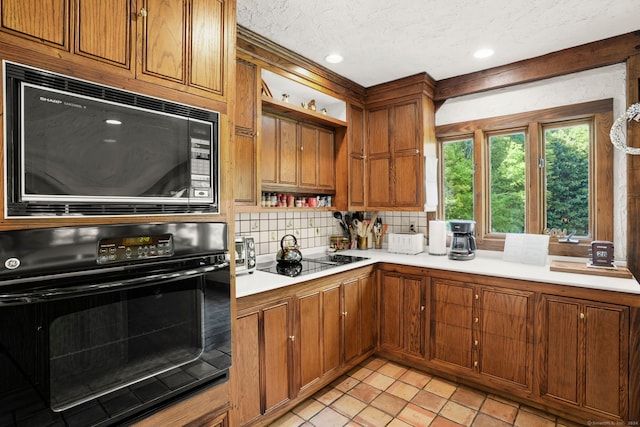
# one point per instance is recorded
(19, 298)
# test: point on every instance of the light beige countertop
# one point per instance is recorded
(488, 263)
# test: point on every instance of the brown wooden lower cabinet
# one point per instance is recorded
(335, 324)
(360, 326)
(483, 330)
(262, 355)
(299, 341)
(584, 355)
(516, 338)
(403, 311)
(554, 347)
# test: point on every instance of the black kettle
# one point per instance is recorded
(289, 254)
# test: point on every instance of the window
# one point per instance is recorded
(544, 171)
(458, 167)
(566, 166)
(507, 182)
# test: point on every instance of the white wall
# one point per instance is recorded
(592, 85)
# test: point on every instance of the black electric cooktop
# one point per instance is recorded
(311, 264)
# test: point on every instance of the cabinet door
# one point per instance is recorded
(391, 311)
(506, 335)
(246, 361)
(356, 185)
(379, 159)
(245, 189)
(326, 160)
(110, 43)
(308, 156)
(38, 20)
(206, 47)
(359, 313)
(244, 177)
(163, 40)
(287, 152)
(331, 320)
(407, 156)
(413, 315)
(402, 313)
(245, 110)
(269, 158)
(452, 322)
(606, 332)
(351, 319)
(368, 310)
(584, 358)
(276, 359)
(309, 339)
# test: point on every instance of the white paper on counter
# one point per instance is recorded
(526, 248)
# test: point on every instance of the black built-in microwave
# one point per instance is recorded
(74, 147)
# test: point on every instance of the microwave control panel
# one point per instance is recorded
(201, 158)
(134, 248)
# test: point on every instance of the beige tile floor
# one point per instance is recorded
(381, 393)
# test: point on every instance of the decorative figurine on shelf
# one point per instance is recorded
(324, 111)
(285, 97)
(312, 105)
(303, 104)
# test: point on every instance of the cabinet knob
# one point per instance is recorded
(475, 363)
(477, 296)
(476, 320)
(344, 313)
(301, 148)
(422, 308)
(292, 337)
(582, 315)
(143, 13)
(475, 343)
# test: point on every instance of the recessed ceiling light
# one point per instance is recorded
(483, 53)
(334, 58)
(113, 122)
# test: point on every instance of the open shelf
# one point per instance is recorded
(296, 112)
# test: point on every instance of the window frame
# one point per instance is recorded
(600, 113)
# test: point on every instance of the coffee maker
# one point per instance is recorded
(463, 241)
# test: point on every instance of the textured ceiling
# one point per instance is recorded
(383, 40)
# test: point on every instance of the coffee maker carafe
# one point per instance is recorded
(463, 241)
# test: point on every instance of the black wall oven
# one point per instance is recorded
(101, 325)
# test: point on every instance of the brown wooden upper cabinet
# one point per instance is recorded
(37, 20)
(396, 164)
(296, 156)
(357, 158)
(182, 41)
(400, 119)
(175, 43)
(317, 158)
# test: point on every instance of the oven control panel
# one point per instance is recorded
(134, 248)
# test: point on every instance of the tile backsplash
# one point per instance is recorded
(313, 228)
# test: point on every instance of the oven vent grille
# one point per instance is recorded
(68, 84)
